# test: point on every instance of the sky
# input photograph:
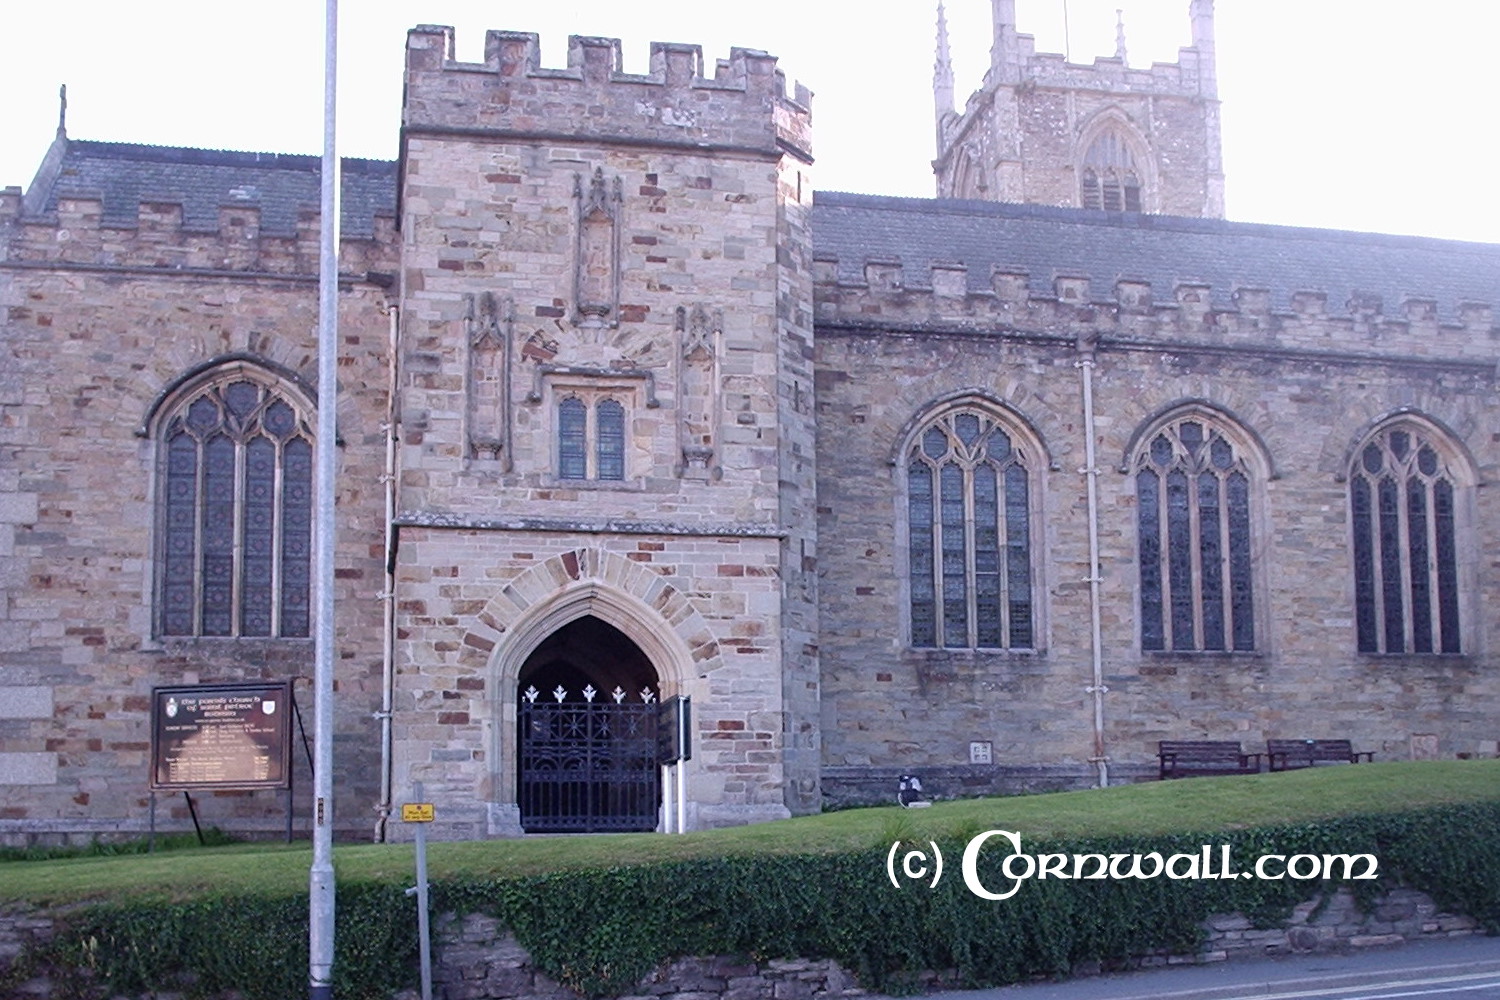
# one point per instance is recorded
(1370, 115)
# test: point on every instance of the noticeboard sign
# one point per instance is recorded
(221, 736)
(418, 812)
(674, 722)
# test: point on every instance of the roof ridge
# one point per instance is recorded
(1133, 220)
(209, 157)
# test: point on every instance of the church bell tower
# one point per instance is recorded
(1043, 130)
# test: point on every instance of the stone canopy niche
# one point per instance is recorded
(699, 332)
(596, 258)
(487, 378)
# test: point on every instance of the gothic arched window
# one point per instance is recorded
(1110, 179)
(591, 440)
(235, 496)
(1193, 490)
(969, 495)
(1403, 503)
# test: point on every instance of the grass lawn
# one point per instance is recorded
(1191, 805)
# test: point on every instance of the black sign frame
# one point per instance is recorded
(674, 729)
(228, 722)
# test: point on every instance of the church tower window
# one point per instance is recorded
(969, 495)
(235, 489)
(1193, 492)
(1403, 499)
(591, 440)
(1110, 179)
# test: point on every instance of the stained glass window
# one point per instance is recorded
(572, 424)
(591, 439)
(236, 514)
(968, 487)
(610, 417)
(1402, 498)
(1193, 522)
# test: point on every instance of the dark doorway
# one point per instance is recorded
(586, 716)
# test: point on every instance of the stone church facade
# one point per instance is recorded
(996, 489)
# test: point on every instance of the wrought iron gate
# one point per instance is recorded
(588, 766)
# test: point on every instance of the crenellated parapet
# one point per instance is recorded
(1187, 315)
(78, 232)
(10, 211)
(1109, 73)
(741, 105)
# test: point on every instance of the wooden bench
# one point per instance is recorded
(1192, 758)
(1288, 755)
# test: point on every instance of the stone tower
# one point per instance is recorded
(606, 414)
(1045, 131)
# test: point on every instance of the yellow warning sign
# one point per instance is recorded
(417, 812)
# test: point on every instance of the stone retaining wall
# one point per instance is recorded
(477, 959)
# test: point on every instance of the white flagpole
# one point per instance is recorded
(321, 883)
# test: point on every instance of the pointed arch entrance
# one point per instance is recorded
(586, 755)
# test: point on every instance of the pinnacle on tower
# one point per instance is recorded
(1004, 54)
(1120, 35)
(942, 69)
(1201, 12)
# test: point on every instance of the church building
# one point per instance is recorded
(638, 430)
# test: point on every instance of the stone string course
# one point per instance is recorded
(477, 959)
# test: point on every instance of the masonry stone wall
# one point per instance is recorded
(474, 958)
(581, 234)
(99, 323)
(1305, 386)
(474, 604)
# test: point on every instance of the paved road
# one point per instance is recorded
(1465, 968)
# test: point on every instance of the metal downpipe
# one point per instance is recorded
(1086, 348)
(388, 596)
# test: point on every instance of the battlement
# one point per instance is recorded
(742, 106)
(117, 204)
(1107, 73)
(1186, 314)
(10, 209)
(79, 233)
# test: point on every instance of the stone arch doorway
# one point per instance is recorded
(586, 755)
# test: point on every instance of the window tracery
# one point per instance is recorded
(235, 512)
(1110, 179)
(969, 497)
(1193, 493)
(1403, 499)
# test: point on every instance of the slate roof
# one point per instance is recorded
(1041, 240)
(1163, 250)
(203, 180)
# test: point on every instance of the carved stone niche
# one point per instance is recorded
(487, 379)
(700, 334)
(596, 258)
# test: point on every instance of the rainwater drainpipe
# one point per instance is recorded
(388, 595)
(1087, 344)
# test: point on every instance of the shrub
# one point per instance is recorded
(600, 930)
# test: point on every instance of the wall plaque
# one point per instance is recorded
(221, 736)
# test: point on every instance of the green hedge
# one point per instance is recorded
(600, 931)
